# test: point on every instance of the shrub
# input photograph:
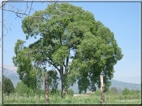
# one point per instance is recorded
(70, 92)
(22, 88)
(57, 92)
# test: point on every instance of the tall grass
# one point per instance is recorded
(82, 99)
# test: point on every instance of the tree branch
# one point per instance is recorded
(51, 62)
(16, 12)
(30, 7)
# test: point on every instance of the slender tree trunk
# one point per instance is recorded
(46, 89)
(62, 88)
(102, 91)
(61, 76)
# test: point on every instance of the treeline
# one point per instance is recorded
(125, 91)
(22, 89)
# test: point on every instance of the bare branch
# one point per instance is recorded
(50, 61)
(30, 7)
(20, 13)
(16, 12)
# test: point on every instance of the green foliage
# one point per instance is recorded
(133, 92)
(39, 91)
(70, 92)
(7, 85)
(0, 86)
(53, 80)
(57, 93)
(83, 84)
(126, 91)
(106, 87)
(62, 29)
(26, 70)
(22, 88)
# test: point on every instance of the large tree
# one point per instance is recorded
(71, 41)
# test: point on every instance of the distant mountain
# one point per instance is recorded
(122, 85)
(13, 75)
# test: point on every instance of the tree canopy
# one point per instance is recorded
(71, 41)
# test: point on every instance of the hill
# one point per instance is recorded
(122, 85)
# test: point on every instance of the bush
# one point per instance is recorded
(7, 85)
(22, 88)
(70, 92)
(57, 92)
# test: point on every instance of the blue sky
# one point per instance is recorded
(123, 19)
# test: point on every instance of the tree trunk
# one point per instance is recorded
(102, 90)
(46, 89)
(63, 86)
(63, 76)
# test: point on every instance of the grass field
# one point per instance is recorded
(80, 99)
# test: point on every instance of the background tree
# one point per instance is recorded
(71, 41)
(114, 90)
(83, 84)
(126, 91)
(7, 85)
(26, 71)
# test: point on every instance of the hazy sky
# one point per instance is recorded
(122, 18)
